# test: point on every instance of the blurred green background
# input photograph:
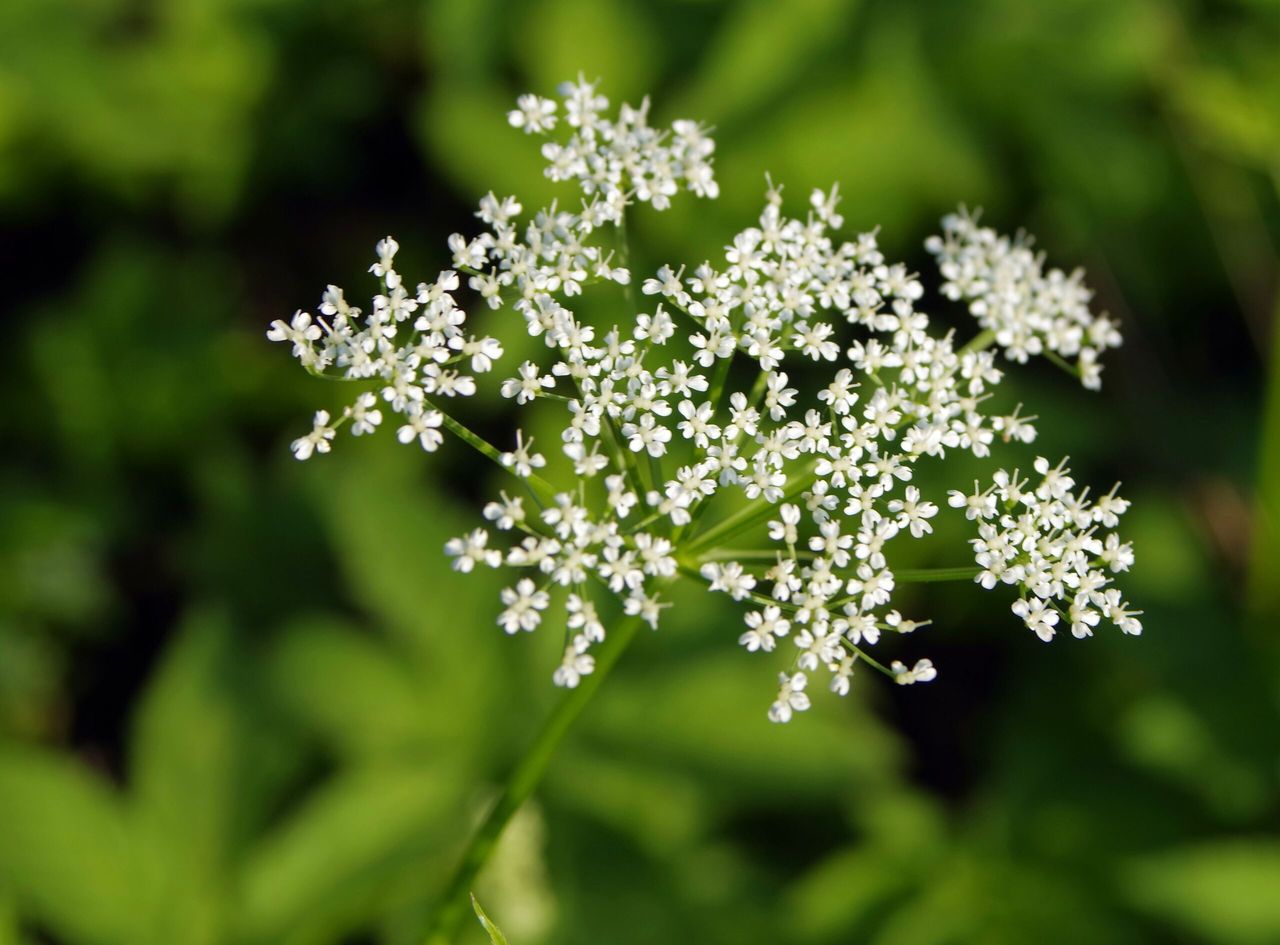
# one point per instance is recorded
(243, 700)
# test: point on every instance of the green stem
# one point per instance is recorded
(486, 448)
(700, 507)
(757, 390)
(751, 514)
(979, 342)
(655, 472)
(868, 659)
(622, 456)
(643, 523)
(624, 251)
(527, 774)
(1063, 363)
(934, 575)
(718, 380)
(762, 554)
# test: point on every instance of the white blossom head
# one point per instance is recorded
(756, 427)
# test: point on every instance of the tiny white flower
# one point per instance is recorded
(763, 629)
(522, 461)
(575, 664)
(583, 617)
(423, 425)
(1038, 616)
(507, 513)
(524, 605)
(534, 114)
(318, 440)
(471, 549)
(922, 671)
(364, 414)
(791, 697)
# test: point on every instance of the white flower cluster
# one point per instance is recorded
(619, 161)
(411, 342)
(788, 390)
(1029, 310)
(407, 346)
(1054, 545)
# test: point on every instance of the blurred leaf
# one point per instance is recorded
(333, 859)
(1224, 890)
(67, 853)
(9, 934)
(759, 50)
(517, 877)
(1172, 565)
(610, 40)
(77, 389)
(495, 934)
(49, 562)
(974, 896)
(844, 891)
(464, 126)
(1234, 112)
(389, 530)
(113, 102)
(454, 45)
(31, 669)
(679, 713)
(185, 778)
(1166, 736)
(117, 377)
(882, 129)
(662, 808)
(349, 688)
(1264, 589)
(904, 835)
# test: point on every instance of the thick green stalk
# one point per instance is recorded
(454, 905)
(532, 766)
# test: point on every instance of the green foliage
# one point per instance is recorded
(105, 92)
(1222, 890)
(495, 934)
(67, 855)
(1264, 590)
(244, 701)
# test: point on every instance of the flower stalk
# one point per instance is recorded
(524, 778)
(854, 390)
